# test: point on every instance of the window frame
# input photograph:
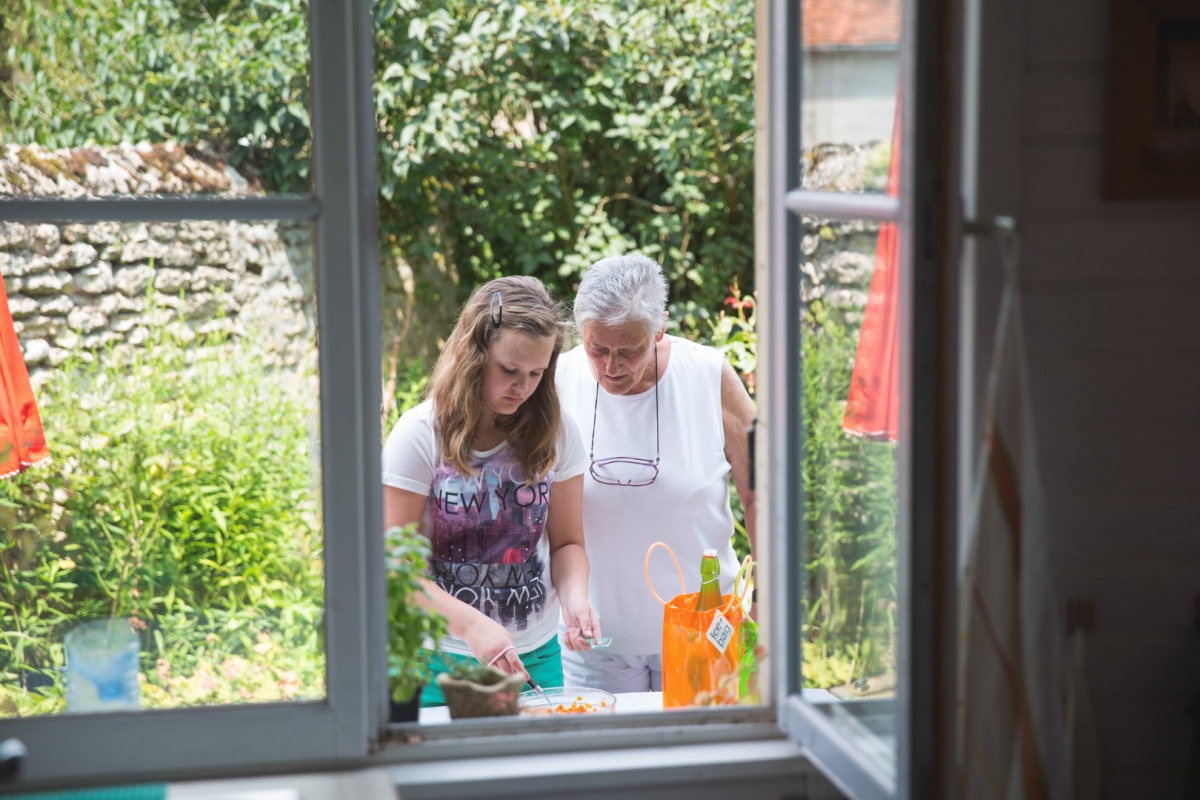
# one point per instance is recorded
(175, 743)
(349, 729)
(921, 499)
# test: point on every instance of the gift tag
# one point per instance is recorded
(720, 632)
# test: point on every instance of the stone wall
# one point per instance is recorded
(839, 256)
(79, 289)
(82, 288)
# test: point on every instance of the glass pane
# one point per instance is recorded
(849, 418)
(487, 171)
(851, 65)
(173, 369)
(147, 96)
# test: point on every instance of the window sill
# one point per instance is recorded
(691, 770)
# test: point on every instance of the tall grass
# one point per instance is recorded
(182, 496)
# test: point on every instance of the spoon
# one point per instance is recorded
(542, 695)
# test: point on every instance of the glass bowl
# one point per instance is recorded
(565, 701)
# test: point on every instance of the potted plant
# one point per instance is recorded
(478, 690)
(411, 622)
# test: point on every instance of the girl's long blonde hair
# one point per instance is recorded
(456, 386)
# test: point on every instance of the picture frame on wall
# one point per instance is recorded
(1152, 142)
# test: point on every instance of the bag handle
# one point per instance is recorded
(736, 597)
(646, 570)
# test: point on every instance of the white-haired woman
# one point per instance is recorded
(664, 420)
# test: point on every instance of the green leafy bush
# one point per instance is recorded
(534, 138)
(410, 622)
(111, 71)
(182, 496)
(849, 514)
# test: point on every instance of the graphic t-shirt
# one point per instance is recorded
(487, 531)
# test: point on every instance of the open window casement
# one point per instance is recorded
(336, 722)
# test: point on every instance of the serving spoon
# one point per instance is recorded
(542, 695)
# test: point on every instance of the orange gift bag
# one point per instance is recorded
(700, 649)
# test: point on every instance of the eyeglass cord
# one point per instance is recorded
(596, 409)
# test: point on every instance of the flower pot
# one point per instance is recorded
(408, 711)
(495, 695)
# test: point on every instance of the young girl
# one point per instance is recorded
(492, 471)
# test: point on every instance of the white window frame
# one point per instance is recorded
(919, 511)
(777, 742)
(70, 749)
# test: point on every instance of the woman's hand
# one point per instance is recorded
(581, 622)
(493, 645)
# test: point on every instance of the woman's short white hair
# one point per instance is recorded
(621, 289)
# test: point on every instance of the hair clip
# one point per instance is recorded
(496, 309)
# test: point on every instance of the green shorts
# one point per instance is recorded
(544, 665)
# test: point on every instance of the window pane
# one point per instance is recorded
(224, 82)
(851, 61)
(849, 351)
(174, 371)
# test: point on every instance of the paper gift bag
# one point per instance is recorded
(700, 649)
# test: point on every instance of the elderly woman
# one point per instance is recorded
(664, 421)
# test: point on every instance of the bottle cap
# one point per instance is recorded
(710, 552)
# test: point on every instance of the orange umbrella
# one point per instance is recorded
(22, 442)
(873, 405)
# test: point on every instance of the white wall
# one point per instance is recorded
(1112, 306)
(849, 95)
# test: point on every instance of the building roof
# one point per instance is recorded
(850, 23)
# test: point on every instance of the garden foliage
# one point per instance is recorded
(514, 137)
(182, 495)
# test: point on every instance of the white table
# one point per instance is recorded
(627, 703)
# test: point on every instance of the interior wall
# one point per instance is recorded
(1111, 297)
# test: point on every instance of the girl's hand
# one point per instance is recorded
(493, 645)
(581, 623)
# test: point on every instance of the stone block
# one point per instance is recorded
(179, 255)
(57, 306)
(86, 319)
(46, 283)
(118, 304)
(133, 281)
(43, 327)
(20, 306)
(12, 235)
(199, 305)
(172, 281)
(103, 233)
(75, 232)
(67, 339)
(95, 280)
(35, 351)
(205, 278)
(44, 239)
(133, 252)
(123, 323)
(79, 255)
(96, 341)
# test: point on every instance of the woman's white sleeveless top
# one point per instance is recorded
(687, 506)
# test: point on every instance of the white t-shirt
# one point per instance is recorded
(489, 546)
(687, 506)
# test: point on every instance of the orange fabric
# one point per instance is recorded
(873, 405)
(22, 442)
(695, 671)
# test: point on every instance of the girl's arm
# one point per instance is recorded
(486, 637)
(569, 562)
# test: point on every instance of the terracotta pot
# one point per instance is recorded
(497, 697)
